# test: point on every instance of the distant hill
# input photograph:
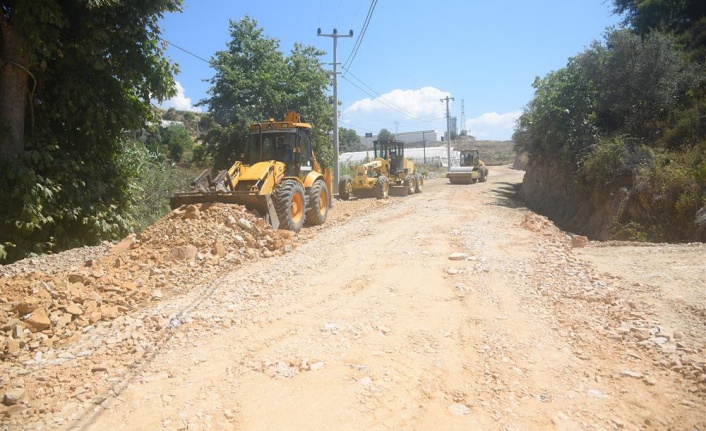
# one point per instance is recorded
(491, 152)
(196, 123)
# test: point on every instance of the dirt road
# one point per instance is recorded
(453, 309)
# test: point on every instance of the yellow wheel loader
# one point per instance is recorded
(276, 174)
(389, 169)
(472, 169)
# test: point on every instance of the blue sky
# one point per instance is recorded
(483, 53)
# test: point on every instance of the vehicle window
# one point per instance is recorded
(305, 148)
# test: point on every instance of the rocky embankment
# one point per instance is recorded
(601, 211)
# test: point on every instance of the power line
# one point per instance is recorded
(361, 35)
(428, 121)
(382, 99)
(185, 50)
(378, 96)
(349, 125)
(361, 81)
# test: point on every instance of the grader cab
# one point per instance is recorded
(389, 169)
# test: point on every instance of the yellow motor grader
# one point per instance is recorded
(276, 174)
(389, 169)
(471, 169)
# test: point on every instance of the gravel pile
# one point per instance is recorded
(53, 263)
(76, 325)
(41, 309)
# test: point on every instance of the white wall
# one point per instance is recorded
(434, 156)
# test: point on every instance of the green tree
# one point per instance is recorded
(678, 167)
(384, 135)
(255, 81)
(159, 180)
(623, 87)
(199, 156)
(305, 92)
(77, 75)
(685, 22)
(625, 113)
(686, 19)
(349, 141)
(638, 80)
(176, 139)
(560, 119)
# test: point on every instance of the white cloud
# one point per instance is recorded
(398, 111)
(420, 109)
(409, 104)
(180, 101)
(493, 126)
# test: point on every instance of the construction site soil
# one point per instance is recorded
(457, 308)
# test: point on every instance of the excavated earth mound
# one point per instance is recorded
(40, 310)
(74, 326)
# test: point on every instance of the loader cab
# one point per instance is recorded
(302, 151)
(267, 146)
(291, 146)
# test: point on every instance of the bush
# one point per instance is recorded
(630, 231)
(55, 200)
(199, 156)
(614, 160)
(176, 139)
(677, 183)
(156, 181)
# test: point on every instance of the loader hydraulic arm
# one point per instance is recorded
(266, 174)
(233, 174)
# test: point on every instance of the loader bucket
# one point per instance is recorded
(262, 204)
(189, 198)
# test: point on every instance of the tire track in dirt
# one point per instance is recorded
(371, 326)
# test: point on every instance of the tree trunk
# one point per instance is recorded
(13, 93)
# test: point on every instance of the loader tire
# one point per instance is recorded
(288, 198)
(344, 187)
(382, 187)
(420, 184)
(316, 203)
(483, 175)
(411, 184)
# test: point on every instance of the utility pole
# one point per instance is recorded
(335, 37)
(448, 132)
(424, 146)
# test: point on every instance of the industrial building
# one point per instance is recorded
(424, 156)
(411, 139)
